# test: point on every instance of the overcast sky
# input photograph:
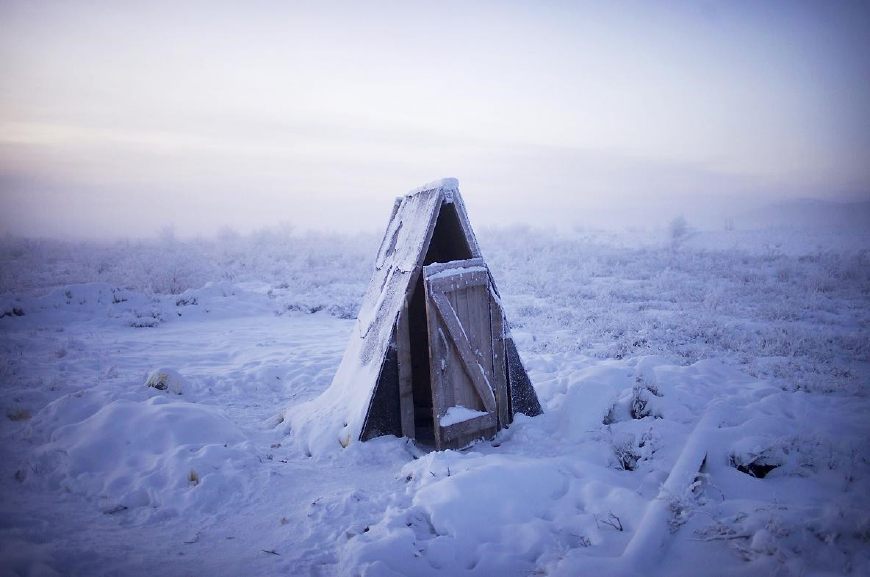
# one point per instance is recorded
(119, 118)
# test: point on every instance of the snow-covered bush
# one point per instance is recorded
(678, 229)
(166, 380)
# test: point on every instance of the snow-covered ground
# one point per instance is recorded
(648, 350)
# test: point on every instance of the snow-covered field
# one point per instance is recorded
(648, 351)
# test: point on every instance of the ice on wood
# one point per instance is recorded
(448, 272)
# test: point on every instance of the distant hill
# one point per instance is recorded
(808, 214)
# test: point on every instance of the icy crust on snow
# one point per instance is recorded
(336, 418)
(458, 414)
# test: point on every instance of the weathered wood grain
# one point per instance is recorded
(466, 354)
(499, 377)
(406, 391)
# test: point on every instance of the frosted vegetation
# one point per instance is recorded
(143, 385)
(783, 303)
(303, 265)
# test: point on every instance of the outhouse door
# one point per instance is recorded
(466, 353)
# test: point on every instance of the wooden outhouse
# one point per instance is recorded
(431, 356)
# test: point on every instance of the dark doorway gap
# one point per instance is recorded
(448, 244)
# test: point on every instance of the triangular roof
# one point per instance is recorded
(338, 416)
(400, 257)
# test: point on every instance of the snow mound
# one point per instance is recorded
(483, 514)
(166, 380)
(458, 414)
(156, 453)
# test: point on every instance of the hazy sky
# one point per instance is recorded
(119, 118)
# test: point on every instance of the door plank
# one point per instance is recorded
(469, 359)
(458, 281)
(457, 265)
(438, 355)
(477, 425)
(465, 396)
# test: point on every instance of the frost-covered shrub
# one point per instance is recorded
(306, 263)
(637, 403)
(172, 268)
(10, 310)
(836, 535)
(678, 229)
(626, 454)
(629, 450)
(643, 401)
(144, 319)
(795, 318)
(756, 465)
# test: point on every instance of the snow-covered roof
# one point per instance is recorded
(337, 416)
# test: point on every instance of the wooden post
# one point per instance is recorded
(406, 390)
(498, 362)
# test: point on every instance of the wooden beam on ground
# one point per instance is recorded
(652, 536)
